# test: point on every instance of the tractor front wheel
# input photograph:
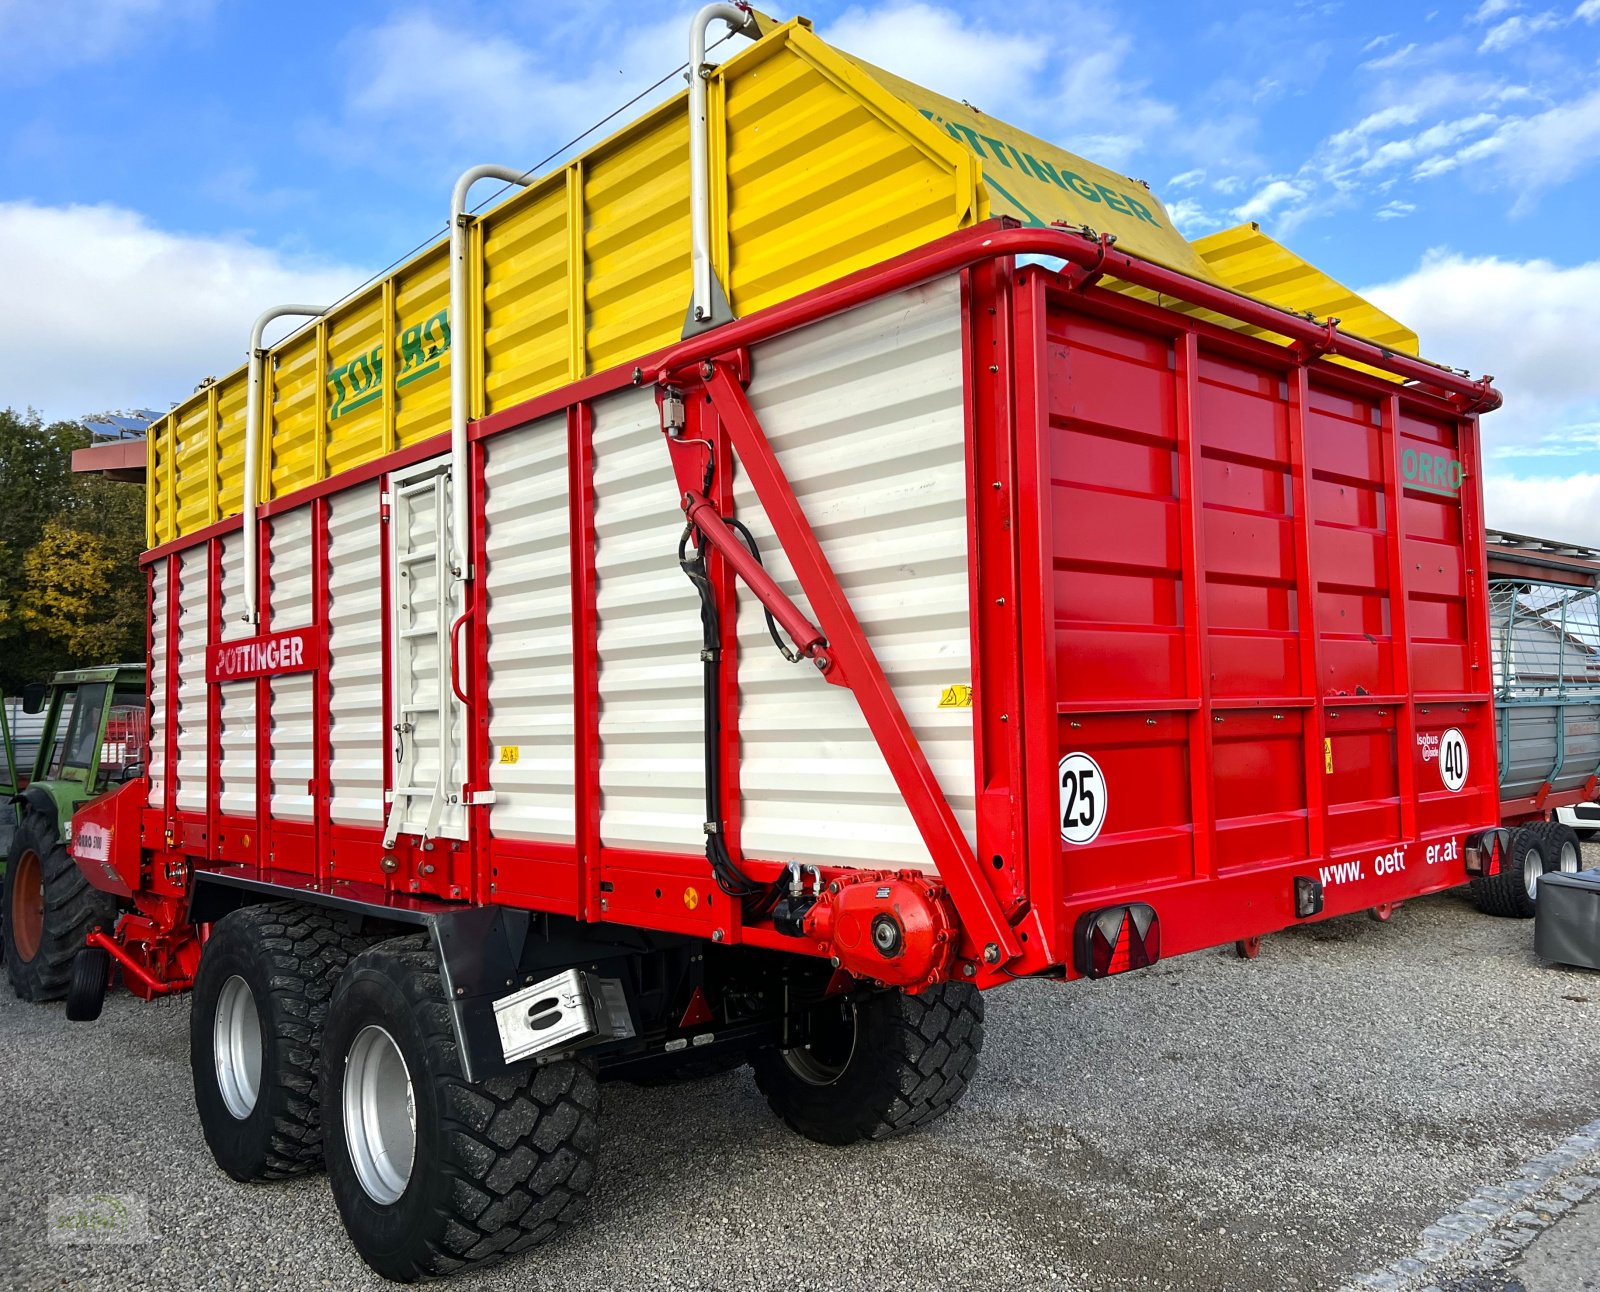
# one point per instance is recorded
(49, 910)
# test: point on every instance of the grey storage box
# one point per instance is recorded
(1567, 926)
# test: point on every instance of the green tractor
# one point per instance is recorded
(88, 735)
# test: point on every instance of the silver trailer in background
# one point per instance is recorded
(1544, 607)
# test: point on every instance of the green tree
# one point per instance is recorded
(71, 591)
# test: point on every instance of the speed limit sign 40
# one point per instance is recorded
(1083, 798)
(1453, 759)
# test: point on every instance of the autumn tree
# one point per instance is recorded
(71, 592)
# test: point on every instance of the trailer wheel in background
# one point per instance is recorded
(255, 1032)
(877, 1065)
(1565, 853)
(49, 909)
(91, 978)
(430, 1172)
(1514, 891)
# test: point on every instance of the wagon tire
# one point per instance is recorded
(255, 1034)
(49, 909)
(1565, 855)
(432, 1173)
(91, 979)
(1513, 892)
(879, 1064)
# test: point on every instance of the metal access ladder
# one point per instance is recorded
(426, 595)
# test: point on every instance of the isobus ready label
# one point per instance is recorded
(1449, 751)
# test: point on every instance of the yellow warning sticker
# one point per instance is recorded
(1327, 755)
(958, 696)
(510, 753)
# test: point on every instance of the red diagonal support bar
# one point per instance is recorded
(958, 867)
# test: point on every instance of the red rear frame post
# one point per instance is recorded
(984, 921)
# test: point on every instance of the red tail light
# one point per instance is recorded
(1115, 939)
(1487, 852)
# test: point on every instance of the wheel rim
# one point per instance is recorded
(380, 1115)
(824, 1059)
(1532, 869)
(27, 906)
(1568, 862)
(236, 1047)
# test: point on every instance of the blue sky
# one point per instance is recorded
(167, 167)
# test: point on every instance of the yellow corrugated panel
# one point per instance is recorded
(230, 444)
(827, 173)
(527, 297)
(1039, 184)
(636, 239)
(354, 365)
(192, 459)
(293, 420)
(821, 166)
(159, 483)
(1247, 261)
(424, 343)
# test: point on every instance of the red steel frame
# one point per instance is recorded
(1017, 905)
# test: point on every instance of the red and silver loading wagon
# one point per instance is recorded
(949, 619)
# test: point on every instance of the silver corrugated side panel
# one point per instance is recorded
(865, 412)
(160, 572)
(237, 700)
(193, 756)
(355, 656)
(292, 693)
(528, 581)
(652, 751)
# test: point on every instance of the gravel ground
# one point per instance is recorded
(1212, 1123)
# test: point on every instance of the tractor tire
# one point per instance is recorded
(1513, 893)
(878, 1065)
(49, 909)
(91, 979)
(433, 1173)
(255, 1035)
(1565, 854)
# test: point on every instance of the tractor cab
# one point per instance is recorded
(64, 744)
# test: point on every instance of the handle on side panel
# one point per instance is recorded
(455, 653)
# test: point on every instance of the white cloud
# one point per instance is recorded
(1191, 218)
(1190, 178)
(1444, 134)
(1392, 59)
(1396, 210)
(39, 39)
(1492, 9)
(121, 313)
(1589, 11)
(987, 64)
(1560, 506)
(1272, 196)
(1530, 323)
(1513, 31)
(1534, 153)
(446, 88)
(1378, 42)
